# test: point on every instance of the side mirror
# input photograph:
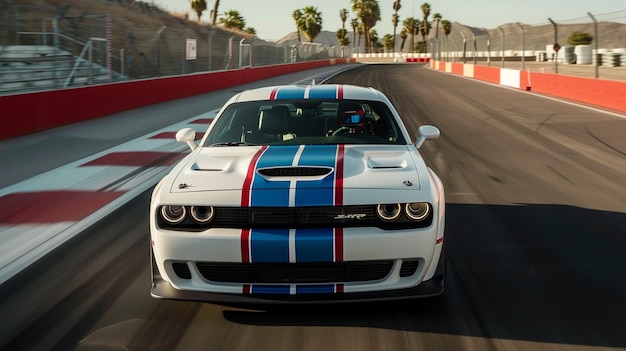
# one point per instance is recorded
(426, 133)
(188, 136)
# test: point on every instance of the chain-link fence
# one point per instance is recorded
(68, 47)
(514, 41)
(164, 51)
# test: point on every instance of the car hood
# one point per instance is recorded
(309, 166)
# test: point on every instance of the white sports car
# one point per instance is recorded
(300, 194)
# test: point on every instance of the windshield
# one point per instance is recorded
(305, 122)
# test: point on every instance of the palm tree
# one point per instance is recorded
(342, 37)
(446, 27)
(354, 23)
(233, 20)
(373, 35)
(369, 13)
(360, 30)
(297, 16)
(198, 6)
(411, 26)
(403, 36)
(214, 12)
(251, 30)
(437, 18)
(343, 15)
(395, 19)
(311, 22)
(388, 42)
(425, 29)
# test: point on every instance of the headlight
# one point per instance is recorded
(173, 214)
(202, 214)
(417, 211)
(388, 212)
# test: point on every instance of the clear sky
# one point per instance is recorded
(272, 19)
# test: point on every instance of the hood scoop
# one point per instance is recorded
(387, 162)
(311, 173)
(212, 164)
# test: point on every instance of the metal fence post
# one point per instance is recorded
(595, 39)
(523, 45)
(502, 50)
(488, 50)
(464, 48)
(556, 46)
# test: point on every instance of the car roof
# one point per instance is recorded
(322, 91)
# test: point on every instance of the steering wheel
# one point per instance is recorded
(353, 129)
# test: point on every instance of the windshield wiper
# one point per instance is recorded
(233, 143)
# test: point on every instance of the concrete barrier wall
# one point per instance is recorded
(32, 112)
(510, 77)
(489, 74)
(599, 92)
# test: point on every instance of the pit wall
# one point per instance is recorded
(23, 114)
(602, 93)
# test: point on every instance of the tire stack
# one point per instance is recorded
(583, 54)
(611, 59)
(622, 52)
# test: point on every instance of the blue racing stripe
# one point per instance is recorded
(314, 245)
(272, 193)
(270, 289)
(323, 92)
(315, 289)
(269, 245)
(318, 192)
(290, 92)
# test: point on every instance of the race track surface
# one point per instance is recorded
(535, 236)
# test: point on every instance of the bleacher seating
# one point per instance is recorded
(26, 68)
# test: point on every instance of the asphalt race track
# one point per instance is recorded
(536, 235)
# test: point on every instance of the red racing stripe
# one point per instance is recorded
(273, 94)
(339, 176)
(245, 202)
(340, 92)
(339, 200)
(247, 183)
(338, 244)
(245, 245)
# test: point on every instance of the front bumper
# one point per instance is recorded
(430, 288)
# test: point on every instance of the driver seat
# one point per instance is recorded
(273, 124)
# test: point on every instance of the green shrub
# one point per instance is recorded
(578, 38)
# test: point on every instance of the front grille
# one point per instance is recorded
(292, 217)
(294, 273)
(295, 171)
(297, 217)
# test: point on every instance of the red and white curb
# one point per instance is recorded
(42, 212)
